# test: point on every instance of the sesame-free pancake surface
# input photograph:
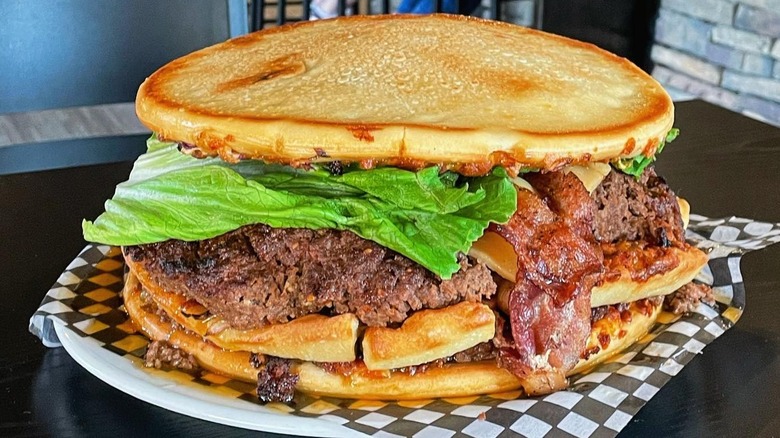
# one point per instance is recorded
(436, 89)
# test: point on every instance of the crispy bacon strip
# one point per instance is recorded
(559, 262)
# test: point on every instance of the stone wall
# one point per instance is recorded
(725, 51)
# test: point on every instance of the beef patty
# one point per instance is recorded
(628, 209)
(258, 275)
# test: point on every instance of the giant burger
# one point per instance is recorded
(397, 207)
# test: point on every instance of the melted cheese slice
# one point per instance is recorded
(523, 184)
(494, 251)
(590, 174)
(685, 211)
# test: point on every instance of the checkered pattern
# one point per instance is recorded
(599, 403)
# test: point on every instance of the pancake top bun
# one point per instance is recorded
(435, 89)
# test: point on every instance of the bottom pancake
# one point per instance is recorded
(448, 380)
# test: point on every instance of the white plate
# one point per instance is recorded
(126, 376)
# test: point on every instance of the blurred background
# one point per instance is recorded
(70, 68)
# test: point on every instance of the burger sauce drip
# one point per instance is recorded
(558, 263)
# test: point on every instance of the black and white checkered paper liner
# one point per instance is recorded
(599, 403)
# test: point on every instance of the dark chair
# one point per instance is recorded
(59, 54)
(68, 53)
(624, 27)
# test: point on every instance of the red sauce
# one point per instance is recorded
(363, 132)
(650, 147)
(629, 147)
(604, 339)
(590, 352)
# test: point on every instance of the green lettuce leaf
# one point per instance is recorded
(424, 215)
(636, 166)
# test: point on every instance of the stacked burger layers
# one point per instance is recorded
(399, 207)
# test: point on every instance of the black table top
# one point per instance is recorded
(723, 163)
